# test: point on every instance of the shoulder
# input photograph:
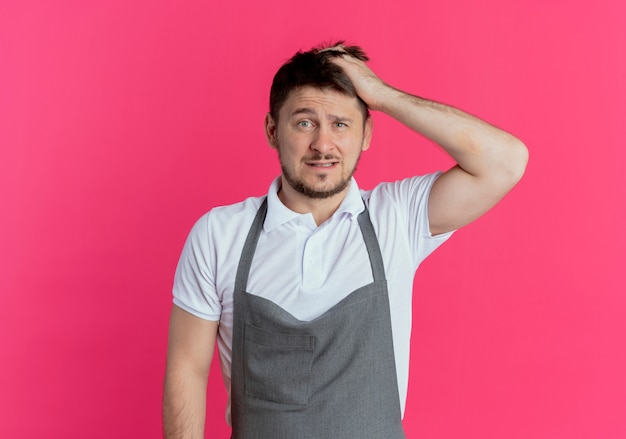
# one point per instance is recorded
(403, 206)
(399, 213)
(212, 239)
(229, 218)
(408, 190)
(220, 227)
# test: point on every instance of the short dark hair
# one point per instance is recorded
(314, 68)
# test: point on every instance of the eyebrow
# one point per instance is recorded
(311, 112)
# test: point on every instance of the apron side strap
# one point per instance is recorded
(373, 248)
(245, 262)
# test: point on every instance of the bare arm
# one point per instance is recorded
(490, 161)
(190, 351)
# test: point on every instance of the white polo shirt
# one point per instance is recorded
(306, 269)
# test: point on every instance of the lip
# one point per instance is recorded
(322, 165)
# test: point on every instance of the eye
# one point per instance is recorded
(304, 124)
(340, 125)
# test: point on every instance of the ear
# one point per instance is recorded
(367, 133)
(270, 130)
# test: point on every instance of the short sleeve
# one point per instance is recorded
(194, 282)
(408, 199)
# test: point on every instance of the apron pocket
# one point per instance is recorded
(277, 367)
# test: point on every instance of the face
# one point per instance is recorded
(319, 137)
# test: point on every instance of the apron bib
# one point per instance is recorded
(331, 377)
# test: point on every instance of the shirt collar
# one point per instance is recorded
(279, 214)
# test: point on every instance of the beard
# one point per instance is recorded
(299, 185)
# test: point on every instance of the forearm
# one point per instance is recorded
(189, 354)
(184, 405)
(478, 147)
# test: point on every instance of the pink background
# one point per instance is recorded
(121, 122)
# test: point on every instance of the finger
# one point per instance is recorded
(337, 48)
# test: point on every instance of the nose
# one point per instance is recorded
(322, 142)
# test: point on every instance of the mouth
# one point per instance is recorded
(322, 165)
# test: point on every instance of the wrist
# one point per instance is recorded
(386, 99)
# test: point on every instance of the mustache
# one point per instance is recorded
(318, 157)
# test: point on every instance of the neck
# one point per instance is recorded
(320, 208)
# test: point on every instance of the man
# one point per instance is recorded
(308, 290)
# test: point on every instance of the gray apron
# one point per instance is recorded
(332, 377)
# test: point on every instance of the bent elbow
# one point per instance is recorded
(511, 166)
(518, 161)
